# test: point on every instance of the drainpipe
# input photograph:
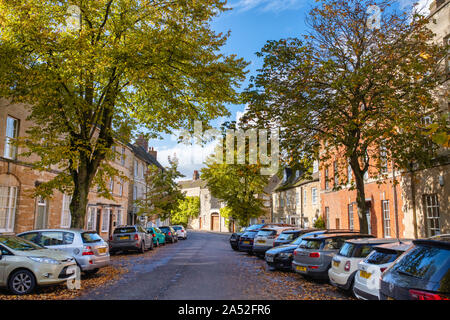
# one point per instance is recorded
(395, 201)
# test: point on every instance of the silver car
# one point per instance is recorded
(181, 232)
(87, 247)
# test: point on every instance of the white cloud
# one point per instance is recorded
(422, 6)
(267, 5)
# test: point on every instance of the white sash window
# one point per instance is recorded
(8, 199)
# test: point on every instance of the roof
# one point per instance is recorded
(373, 240)
(293, 181)
(188, 184)
(438, 241)
(333, 235)
(396, 246)
(144, 155)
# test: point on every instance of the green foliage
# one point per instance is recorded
(152, 64)
(187, 209)
(320, 223)
(162, 196)
(344, 92)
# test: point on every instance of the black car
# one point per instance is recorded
(170, 233)
(235, 237)
(246, 241)
(421, 273)
(286, 237)
(280, 257)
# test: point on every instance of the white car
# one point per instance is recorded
(344, 265)
(181, 232)
(265, 238)
(367, 279)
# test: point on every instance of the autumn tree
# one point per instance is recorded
(162, 195)
(93, 71)
(352, 90)
(187, 208)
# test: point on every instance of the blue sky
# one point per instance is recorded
(252, 23)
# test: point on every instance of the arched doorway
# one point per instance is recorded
(215, 222)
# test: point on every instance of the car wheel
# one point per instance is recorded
(157, 243)
(142, 249)
(111, 253)
(22, 282)
(151, 245)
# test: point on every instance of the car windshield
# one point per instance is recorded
(287, 236)
(125, 230)
(423, 261)
(254, 227)
(177, 228)
(355, 250)
(19, 244)
(311, 244)
(90, 237)
(380, 256)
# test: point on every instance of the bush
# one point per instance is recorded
(320, 223)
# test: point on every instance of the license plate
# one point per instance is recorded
(261, 241)
(269, 259)
(300, 268)
(389, 298)
(364, 274)
(101, 250)
(336, 263)
(246, 242)
(124, 238)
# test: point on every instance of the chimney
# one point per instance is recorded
(196, 175)
(142, 142)
(153, 152)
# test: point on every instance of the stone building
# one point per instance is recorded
(296, 199)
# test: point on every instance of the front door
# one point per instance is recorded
(215, 223)
(369, 227)
(41, 213)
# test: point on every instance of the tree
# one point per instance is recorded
(238, 185)
(351, 91)
(94, 71)
(187, 209)
(162, 195)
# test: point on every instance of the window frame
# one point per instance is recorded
(12, 155)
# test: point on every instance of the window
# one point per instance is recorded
(281, 200)
(8, 197)
(432, 214)
(65, 212)
(349, 174)
(327, 217)
(350, 216)
(304, 197)
(297, 197)
(135, 192)
(56, 238)
(41, 214)
(119, 217)
(122, 157)
(383, 158)
(314, 195)
(315, 166)
(386, 218)
(120, 187)
(92, 217)
(105, 220)
(338, 223)
(136, 168)
(335, 173)
(12, 132)
(111, 185)
(327, 184)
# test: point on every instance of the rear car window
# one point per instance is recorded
(266, 233)
(333, 244)
(90, 237)
(423, 261)
(125, 230)
(382, 256)
(311, 244)
(354, 250)
(250, 234)
(178, 228)
(287, 236)
(165, 229)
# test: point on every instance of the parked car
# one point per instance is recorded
(87, 247)
(314, 254)
(25, 265)
(287, 236)
(170, 233)
(127, 238)
(281, 257)
(421, 273)
(181, 232)
(367, 279)
(265, 238)
(344, 265)
(235, 237)
(246, 241)
(159, 238)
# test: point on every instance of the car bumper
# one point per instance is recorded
(340, 280)
(318, 273)
(134, 245)
(54, 274)
(246, 247)
(285, 264)
(363, 295)
(93, 262)
(261, 249)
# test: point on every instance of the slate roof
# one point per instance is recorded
(188, 184)
(144, 155)
(292, 181)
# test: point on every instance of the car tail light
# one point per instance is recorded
(169, 233)
(295, 252)
(154, 235)
(87, 251)
(423, 295)
(382, 269)
(136, 237)
(314, 255)
(347, 266)
(313, 267)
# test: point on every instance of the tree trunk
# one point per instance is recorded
(360, 196)
(78, 205)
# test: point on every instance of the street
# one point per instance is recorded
(205, 267)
